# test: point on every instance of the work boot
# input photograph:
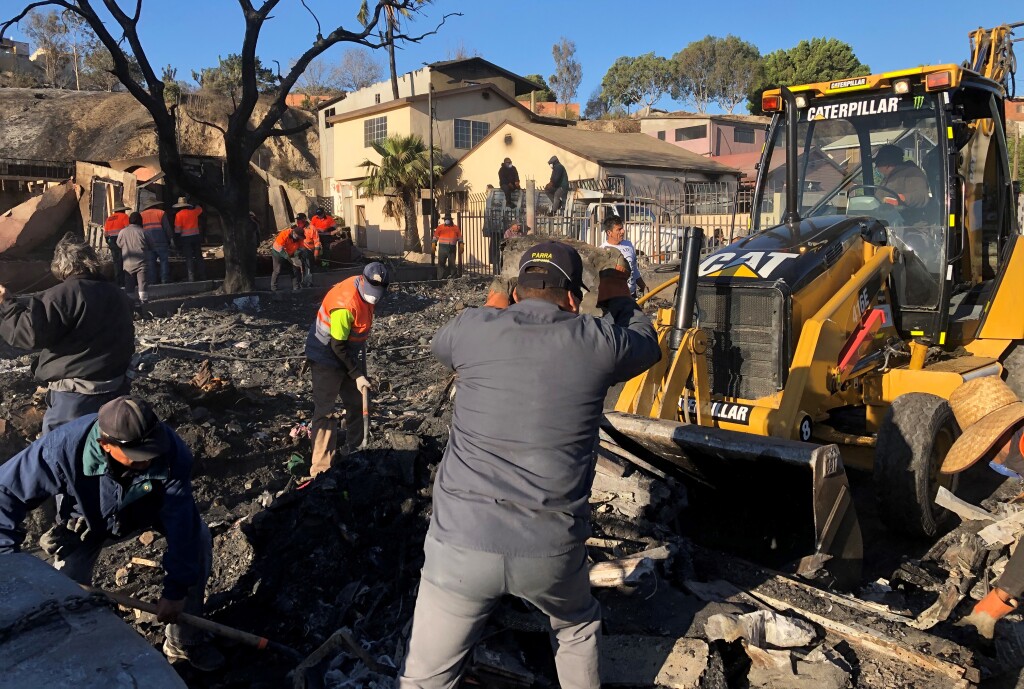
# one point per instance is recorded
(203, 657)
(986, 613)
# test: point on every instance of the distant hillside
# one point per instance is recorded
(50, 124)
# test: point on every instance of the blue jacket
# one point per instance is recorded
(69, 462)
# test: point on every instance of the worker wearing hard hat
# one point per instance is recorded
(447, 241)
(336, 351)
(992, 419)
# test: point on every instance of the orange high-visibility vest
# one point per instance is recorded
(345, 295)
(322, 224)
(311, 240)
(152, 219)
(447, 234)
(285, 244)
(186, 221)
(115, 223)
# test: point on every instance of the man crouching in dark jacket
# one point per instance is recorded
(83, 329)
(116, 473)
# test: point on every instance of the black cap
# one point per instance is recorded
(561, 267)
(889, 155)
(133, 425)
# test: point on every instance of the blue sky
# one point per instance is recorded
(518, 36)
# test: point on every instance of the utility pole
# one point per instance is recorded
(430, 138)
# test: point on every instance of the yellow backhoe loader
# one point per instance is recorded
(834, 333)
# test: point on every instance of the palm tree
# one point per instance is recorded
(403, 170)
(393, 16)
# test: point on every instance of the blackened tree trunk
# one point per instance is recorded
(244, 133)
(412, 230)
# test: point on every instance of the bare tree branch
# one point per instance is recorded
(213, 125)
(339, 35)
(35, 5)
(290, 131)
(319, 32)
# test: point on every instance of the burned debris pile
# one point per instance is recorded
(330, 567)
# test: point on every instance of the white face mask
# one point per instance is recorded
(370, 298)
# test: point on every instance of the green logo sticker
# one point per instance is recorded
(918, 102)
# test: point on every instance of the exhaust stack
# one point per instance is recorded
(792, 155)
(686, 293)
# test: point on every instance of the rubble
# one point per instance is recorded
(34, 222)
(299, 562)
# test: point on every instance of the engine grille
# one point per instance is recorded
(746, 329)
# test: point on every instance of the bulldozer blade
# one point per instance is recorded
(781, 500)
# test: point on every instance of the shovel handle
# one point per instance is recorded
(366, 419)
(258, 642)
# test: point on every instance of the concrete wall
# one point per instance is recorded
(723, 136)
(528, 153)
(86, 173)
(719, 136)
(349, 146)
(479, 106)
(668, 125)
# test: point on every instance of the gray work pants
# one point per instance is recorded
(458, 590)
(77, 563)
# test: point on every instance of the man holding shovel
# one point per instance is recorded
(115, 473)
(336, 351)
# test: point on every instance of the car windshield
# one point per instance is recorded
(876, 155)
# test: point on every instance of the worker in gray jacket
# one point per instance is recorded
(511, 510)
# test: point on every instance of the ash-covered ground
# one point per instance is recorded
(296, 563)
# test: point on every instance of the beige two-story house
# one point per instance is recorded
(470, 99)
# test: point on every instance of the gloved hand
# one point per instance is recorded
(363, 384)
(433, 248)
(987, 612)
(316, 253)
(500, 295)
(63, 538)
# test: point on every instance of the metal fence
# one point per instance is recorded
(22, 168)
(654, 219)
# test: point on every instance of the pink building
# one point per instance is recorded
(708, 135)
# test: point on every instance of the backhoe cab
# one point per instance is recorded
(884, 269)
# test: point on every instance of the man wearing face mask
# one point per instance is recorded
(508, 181)
(116, 473)
(336, 351)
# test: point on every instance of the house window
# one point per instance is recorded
(743, 135)
(376, 98)
(468, 133)
(661, 135)
(691, 133)
(374, 129)
(329, 113)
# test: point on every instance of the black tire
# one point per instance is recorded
(1013, 370)
(912, 442)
